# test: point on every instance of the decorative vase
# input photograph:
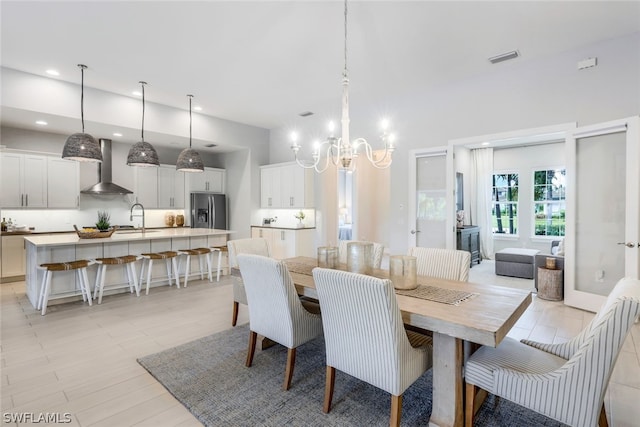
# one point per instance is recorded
(179, 220)
(327, 257)
(360, 257)
(403, 271)
(169, 220)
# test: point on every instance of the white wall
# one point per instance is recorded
(517, 95)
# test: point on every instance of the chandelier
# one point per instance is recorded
(340, 151)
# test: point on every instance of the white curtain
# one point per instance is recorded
(481, 173)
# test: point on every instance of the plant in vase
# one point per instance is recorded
(103, 221)
(300, 216)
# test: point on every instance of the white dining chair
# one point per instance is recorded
(448, 264)
(378, 251)
(253, 246)
(565, 381)
(275, 311)
(365, 337)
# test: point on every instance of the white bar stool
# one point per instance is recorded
(147, 261)
(80, 266)
(128, 261)
(200, 253)
(220, 250)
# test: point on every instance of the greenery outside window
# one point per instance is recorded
(504, 204)
(549, 202)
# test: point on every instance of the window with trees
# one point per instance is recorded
(504, 202)
(549, 202)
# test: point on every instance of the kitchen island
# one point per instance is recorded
(65, 247)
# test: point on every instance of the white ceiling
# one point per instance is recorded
(263, 62)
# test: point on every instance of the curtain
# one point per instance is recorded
(481, 173)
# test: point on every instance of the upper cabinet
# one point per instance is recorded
(146, 189)
(24, 178)
(170, 187)
(286, 185)
(63, 183)
(212, 180)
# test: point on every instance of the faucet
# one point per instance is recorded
(142, 215)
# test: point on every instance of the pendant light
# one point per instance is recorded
(189, 160)
(142, 153)
(81, 146)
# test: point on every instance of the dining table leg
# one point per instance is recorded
(447, 403)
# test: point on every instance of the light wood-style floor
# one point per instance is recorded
(81, 360)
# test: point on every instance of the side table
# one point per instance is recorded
(550, 284)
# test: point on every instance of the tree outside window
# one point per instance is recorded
(504, 202)
(549, 202)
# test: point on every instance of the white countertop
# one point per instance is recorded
(61, 239)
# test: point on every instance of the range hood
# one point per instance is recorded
(104, 185)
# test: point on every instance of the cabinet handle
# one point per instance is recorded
(290, 201)
(269, 201)
(77, 201)
(26, 198)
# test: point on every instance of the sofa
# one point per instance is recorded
(556, 252)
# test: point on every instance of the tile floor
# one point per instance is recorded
(80, 361)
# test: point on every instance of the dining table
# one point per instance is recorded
(456, 313)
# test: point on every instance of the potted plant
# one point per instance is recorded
(103, 221)
(300, 216)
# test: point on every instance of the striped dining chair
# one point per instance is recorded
(365, 338)
(378, 251)
(448, 264)
(275, 311)
(565, 381)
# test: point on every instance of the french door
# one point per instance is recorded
(603, 220)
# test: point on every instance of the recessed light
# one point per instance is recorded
(41, 123)
(117, 134)
(504, 57)
(136, 93)
(197, 108)
(53, 72)
(486, 143)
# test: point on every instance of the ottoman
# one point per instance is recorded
(516, 262)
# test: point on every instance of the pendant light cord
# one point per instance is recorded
(142, 128)
(345, 38)
(190, 120)
(82, 67)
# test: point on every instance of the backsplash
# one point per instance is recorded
(287, 217)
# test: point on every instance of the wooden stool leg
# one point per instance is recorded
(253, 337)
(328, 388)
(396, 410)
(234, 317)
(288, 373)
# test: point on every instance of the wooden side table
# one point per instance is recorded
(550, 284)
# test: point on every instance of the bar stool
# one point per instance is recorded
(200, 253)
(80, 266)
(147, 260)
(130, 269)
(220, 250)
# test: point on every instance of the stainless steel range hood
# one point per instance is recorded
(104, 185)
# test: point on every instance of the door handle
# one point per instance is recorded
(415, 231)
(629, 244)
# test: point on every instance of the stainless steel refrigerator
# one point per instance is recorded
(208, 210)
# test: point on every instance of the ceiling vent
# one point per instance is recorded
(504, 57)
(305, 114)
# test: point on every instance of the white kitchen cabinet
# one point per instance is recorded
(212, 180)
(24, 178)
(287, 243)
(170, 187)
(147, 187)
(13, 256)
(286, 185)
(63, 183)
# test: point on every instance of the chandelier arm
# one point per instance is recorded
(381, 163)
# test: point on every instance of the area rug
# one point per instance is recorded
(209, 378)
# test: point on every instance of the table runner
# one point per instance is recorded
(428, 292)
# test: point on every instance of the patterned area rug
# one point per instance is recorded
(209, 378)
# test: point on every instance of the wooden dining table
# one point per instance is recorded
(485, 319)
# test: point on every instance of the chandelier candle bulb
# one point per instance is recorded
(403, 271)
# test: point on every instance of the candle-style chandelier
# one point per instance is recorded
(340, 151)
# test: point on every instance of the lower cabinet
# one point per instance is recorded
(468, 239)
(287, 243)
(13, 256)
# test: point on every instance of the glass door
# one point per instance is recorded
(603, 228)
(431, 211)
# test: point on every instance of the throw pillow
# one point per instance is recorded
(560, 248)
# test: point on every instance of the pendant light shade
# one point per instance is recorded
(189, 160)
(81, 146)
(142, 153)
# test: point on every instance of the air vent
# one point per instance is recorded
(504, 57)
(305, 114)
(210, 145)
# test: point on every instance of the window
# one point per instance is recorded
(549, 202)
(504, 203)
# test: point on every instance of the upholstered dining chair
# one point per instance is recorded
(359, 312)
(566, 381)
(378, 250)
(275, 311)
(448, 264)
(256, 246)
